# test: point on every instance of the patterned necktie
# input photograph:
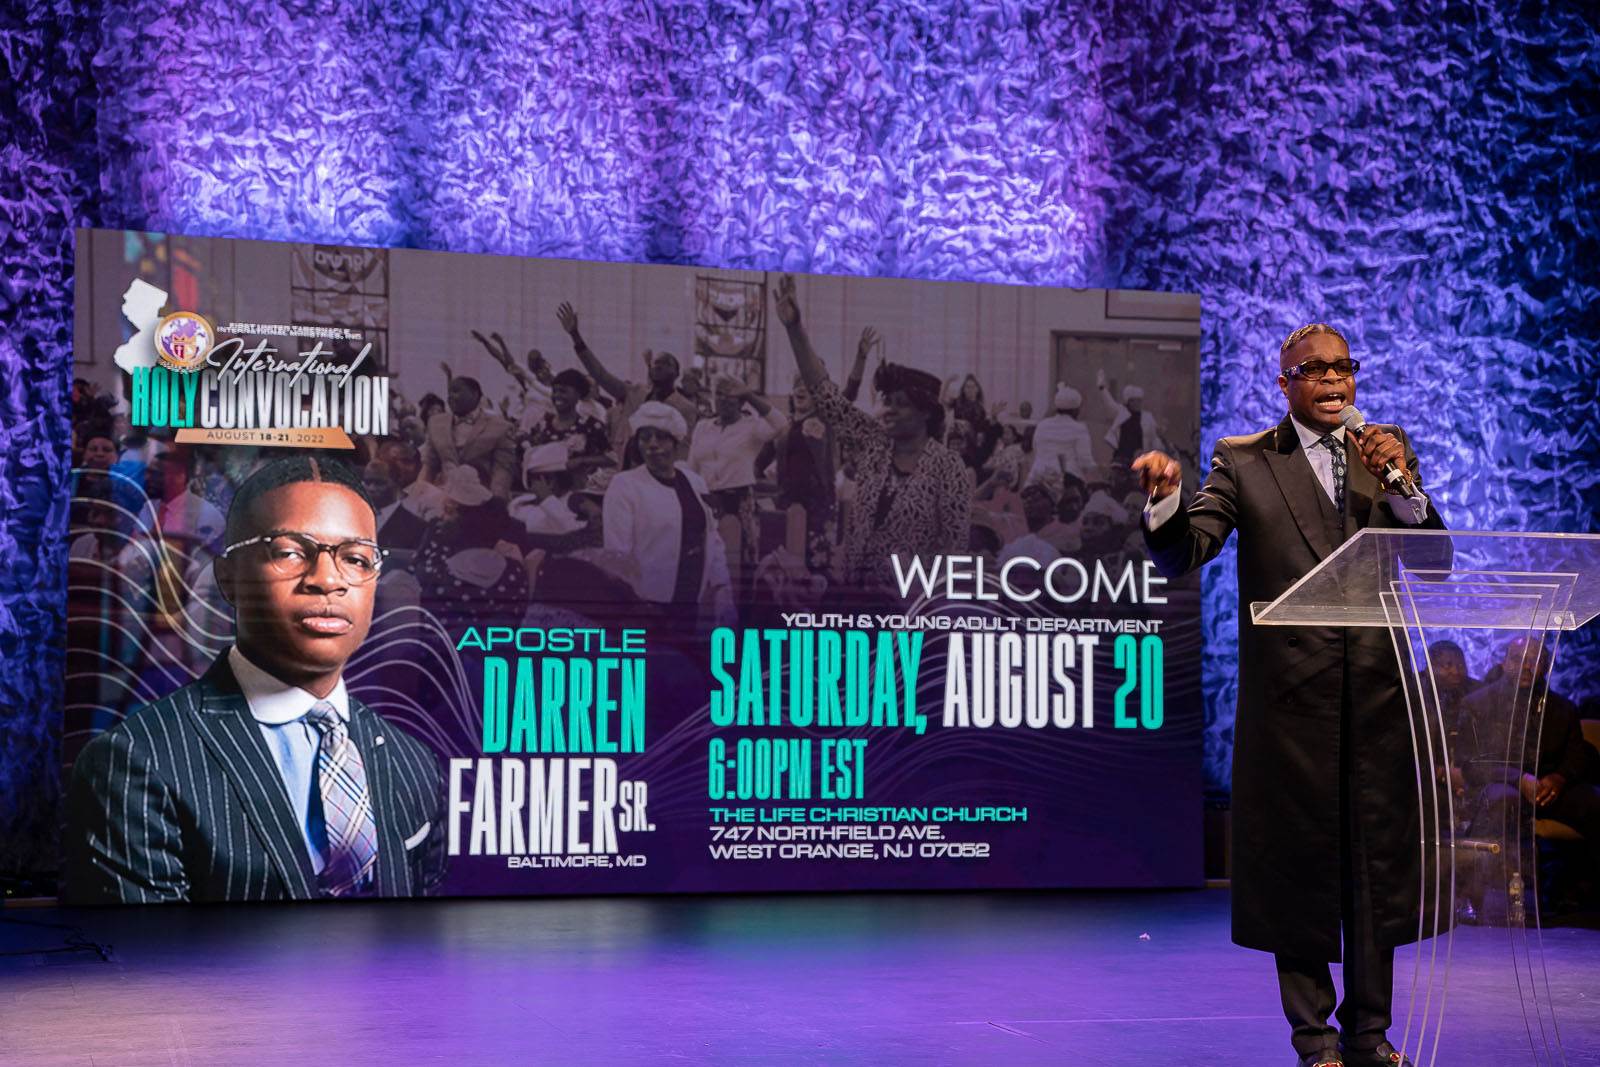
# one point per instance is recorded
(346, 806)
(1336, 448)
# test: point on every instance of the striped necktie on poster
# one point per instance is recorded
(1335, 447)
(346, 807)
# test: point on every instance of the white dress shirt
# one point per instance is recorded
(1061, 442)
(725, 456)
(1411, 511)
(279, 709)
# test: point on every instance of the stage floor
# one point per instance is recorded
(1012, 979)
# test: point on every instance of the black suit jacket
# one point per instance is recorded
(1321, 712)
(1552, 744)
(403, 530)
(182, 801)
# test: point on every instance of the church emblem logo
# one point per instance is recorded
(182, 341)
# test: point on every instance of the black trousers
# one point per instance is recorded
(1365, 1014)
(1306, 985)
(1579, 807)
(1501, 809)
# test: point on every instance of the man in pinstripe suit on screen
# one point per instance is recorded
(264, 779)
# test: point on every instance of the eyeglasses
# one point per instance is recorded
(294, 555)
(1315, 370)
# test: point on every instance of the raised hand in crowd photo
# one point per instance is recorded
(914, 496)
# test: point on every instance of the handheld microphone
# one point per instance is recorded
(1356, 423)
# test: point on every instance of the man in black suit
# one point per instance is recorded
(1558, 768)
(1324, 791)
(399, 528)
(264, 779)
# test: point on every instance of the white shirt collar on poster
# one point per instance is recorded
(274, 702)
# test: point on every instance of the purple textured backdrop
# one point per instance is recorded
(1424, 175)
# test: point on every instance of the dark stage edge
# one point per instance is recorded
(1012, 979)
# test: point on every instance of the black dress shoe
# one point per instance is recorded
(1328, 1057)
(1385, 1055)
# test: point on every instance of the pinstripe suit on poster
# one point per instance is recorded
(182, 801)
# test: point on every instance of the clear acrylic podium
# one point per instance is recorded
(1478, 863)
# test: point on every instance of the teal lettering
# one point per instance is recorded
(494, 704)
(1152, 687)
(830, 664)
(552, 683)
(1124, 654)
(139, 414)
(858, 659)
(633, 706)
(722, 696)
(524, 709)
(604, 706)
(191, 386)
(580, 702)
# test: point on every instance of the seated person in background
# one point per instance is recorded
(983, 540)
(94, 453)
(400, 529)
(470, 565)
(960, 438)
(587, 502)
(591, 587)
(181, 512)
(545, 508)
(1104, 527)
(429, 406)
(1010, 460)
(1038, 509)
(94, 450)
(1066, 532)
(470, 434)
(1450, 671)
(1453, 683)
(1559, 768)
(98, 531)
(421, 497)
(174, 537)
